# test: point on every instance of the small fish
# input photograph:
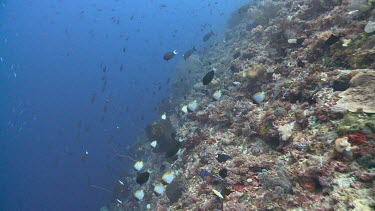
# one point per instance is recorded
(179, 152)
(217, 95)
(118, 200)
(207, 36)
(184, 109)
(15, 75)
(208, 77)
(164, 116)
(204, 173)
(121, 67)
(217, 193)
(1, 58)
(259, 97)
(120, 182)
(168, 177)
(138, 165)
(154, 144)
(219, 178)
(93, 98)
(188, 53)
(159, 189)
(236, 83)
(169, 55)
(142, 178)
(333, 39)
(192, 105)
(85, 156)
(139, 194)
(222, 158)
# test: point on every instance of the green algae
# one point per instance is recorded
(354, 122)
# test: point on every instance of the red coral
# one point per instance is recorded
(238, 187)
(357, 138)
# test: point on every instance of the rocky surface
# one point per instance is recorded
(310, 145)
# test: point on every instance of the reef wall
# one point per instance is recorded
(308, 145)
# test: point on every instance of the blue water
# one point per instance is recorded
(52, 55)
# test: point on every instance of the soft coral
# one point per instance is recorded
(357, 138)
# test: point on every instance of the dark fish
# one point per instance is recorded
(93, 98)
(208, 36)
(162, 5)
(142, 178)
(169, 55)
(124, 50)
(204, 173)
(300, 63)
(188, 53)
(219, 178)
(162, 167)
(121, 67)
(105, 69)
(104, 85)
(333, 39)
(105, 109)
(172, 151)
(85, 156)
(223, 172)
(221, 158)
(208, 77)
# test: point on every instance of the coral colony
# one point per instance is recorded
(285, 122)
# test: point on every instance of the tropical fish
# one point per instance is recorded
(159, 189)
(164, 116)
(139, 194)
(138, 165)
(169, 55)
(217, 193)
(208, 77)
(208, 36)
(217, 95)
(142, 178)
(179, 152)
(222, 158)
(154, 144)
(168, 177)
(184, 109)
(259, 97)
(204, 173)
(333, 39)
(236, 83)
(192, 105)
(188, 53)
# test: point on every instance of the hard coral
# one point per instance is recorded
(360, 96)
